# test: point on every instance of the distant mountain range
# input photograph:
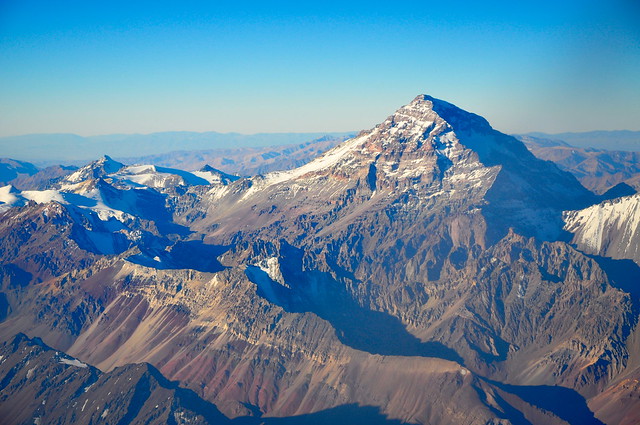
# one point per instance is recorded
(599, 170)
(71, 149)
(241, 161)
(617, 140)
(244, 161)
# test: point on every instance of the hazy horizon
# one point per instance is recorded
(275, 133)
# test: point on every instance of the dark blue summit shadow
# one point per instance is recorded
(356, 326)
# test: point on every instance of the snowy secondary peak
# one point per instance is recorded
(215, 176)
(103, 166)
(209, 168)
(140, 176)
(9, 189)
(610, 229)
(109, 164)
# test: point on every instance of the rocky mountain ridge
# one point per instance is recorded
(418, 268)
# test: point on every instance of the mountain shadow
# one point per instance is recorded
(347, 414)
(565, 403)
(356, 326)
(624, 275)
(12, 276)
(5, 306)
(147, 203)
(528, 194)
(194, 255)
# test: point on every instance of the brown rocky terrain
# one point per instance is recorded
(44, 386)
(417, 269)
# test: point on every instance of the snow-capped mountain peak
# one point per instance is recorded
(415, 143)
(215, 176)
(104, 166)
(415, 131)
(429, 151)
(141, 176)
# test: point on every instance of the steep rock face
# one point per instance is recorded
(37, 243)
(610, 229)
(542, 312)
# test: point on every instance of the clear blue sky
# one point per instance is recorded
(90, 67)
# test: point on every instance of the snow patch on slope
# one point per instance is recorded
(73, 362)
(271, 266)
(329, 159)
